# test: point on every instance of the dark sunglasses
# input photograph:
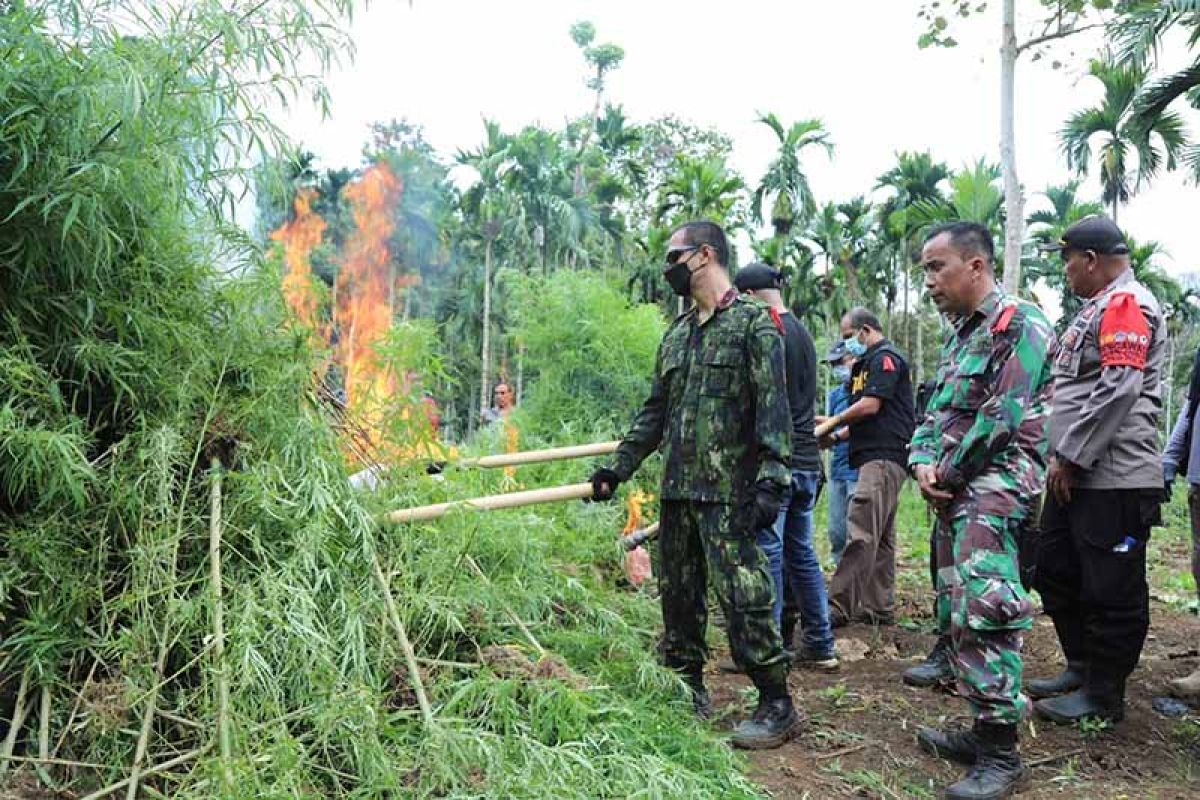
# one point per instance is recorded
(675, 254)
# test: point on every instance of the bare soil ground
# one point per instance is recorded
(859, 740)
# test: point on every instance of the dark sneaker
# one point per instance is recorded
(1068, 680)
(773, 723)
(934, 670)
(1069, 709)
(960, 746)
(811, 659)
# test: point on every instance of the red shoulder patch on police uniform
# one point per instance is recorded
(1004, 319)
(888, 364)
(1124, 333)
(778, 320)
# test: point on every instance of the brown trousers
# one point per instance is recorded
(864, 584)
(1194, 509)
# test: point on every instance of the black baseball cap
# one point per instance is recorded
(1094, 232)
(757, 276)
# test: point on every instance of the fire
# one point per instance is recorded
(634, 506)
(364, 295)
(299, 237)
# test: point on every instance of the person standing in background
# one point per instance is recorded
(842, 476)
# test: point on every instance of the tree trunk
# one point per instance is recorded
(908, 348)
(484, 353)
(1014, 201)
(1114, 213)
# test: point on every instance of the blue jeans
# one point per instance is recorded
(793, 564)
(840, 493)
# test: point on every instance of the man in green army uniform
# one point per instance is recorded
(978, 456)
(718, 407)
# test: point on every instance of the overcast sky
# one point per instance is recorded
(447, 64)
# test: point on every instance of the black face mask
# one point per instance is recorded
(680, 278)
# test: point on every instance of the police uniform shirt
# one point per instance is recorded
(1107, 402)
(882, 373)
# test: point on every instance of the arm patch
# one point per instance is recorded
(1124, 333)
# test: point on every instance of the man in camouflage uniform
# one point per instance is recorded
(978, 455)
(1104, 485)
(719, 409)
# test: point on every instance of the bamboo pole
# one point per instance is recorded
(539, 456)
(639, 537)
(154, 770)
(18, 719)
(224, 735)
(494, 502)
(410, 657)
(44, 724)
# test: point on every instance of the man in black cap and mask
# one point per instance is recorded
(788, 542)
(1104, 483)
(718, 407)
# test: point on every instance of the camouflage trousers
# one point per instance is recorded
(703, 542)
(981, 602)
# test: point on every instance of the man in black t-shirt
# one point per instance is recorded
(788, 544)
(878, 424)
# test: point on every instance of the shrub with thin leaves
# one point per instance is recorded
(145, 357)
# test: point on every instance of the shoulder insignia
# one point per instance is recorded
(1005, 318)
(1124, 333)
(888, 364)
(777, 319)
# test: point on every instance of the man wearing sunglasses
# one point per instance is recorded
(718, 409)
(1104, 483)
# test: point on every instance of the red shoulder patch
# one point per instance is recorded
(888, 364)
(1124, 333)
(777, 319)
(1004, 319)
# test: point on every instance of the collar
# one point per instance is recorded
(872, 349)
(985, 311)
(1125, 277)
(727, 299)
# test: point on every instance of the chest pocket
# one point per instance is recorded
(973, 375)
(1068, 354)
(720, 372)
(674, 373)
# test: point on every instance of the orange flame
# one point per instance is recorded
(364, 308)
(634, 505)
(299, 237)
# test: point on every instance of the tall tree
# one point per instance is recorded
(602, 59)
(785, 182)
(1138, 34)
(1057, 20)
(700, 188)
(1156, 143)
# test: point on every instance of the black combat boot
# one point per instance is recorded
(1100, 697)
(702, 702)
(1068, 680)
(960, 746)
(997, 770)
(935, 669)
(773, 722)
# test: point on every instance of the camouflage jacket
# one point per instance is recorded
(985, 425)
(718, 406)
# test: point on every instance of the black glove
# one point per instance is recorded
(604, 484)
(1167, 490)
(768, 499)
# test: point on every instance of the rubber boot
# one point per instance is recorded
(960, 746)
(1101, 698)
(935, 669)
(1187, 688)
(773, 723)
(997, 771)
(1068, 680)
